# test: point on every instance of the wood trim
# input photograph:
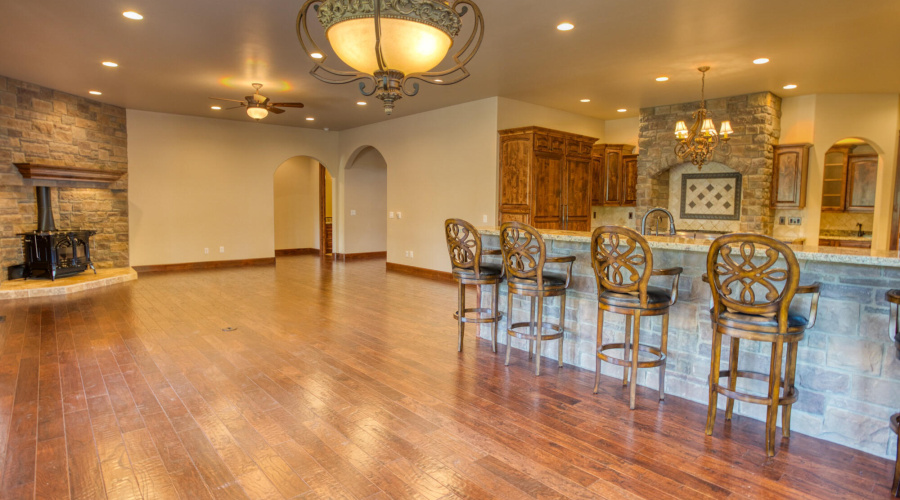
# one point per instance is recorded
(296, 251)
(419, 271)
(322, 249)
(55, 173)
(194, 266)
(359, 256)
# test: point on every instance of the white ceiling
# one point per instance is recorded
(187, 50)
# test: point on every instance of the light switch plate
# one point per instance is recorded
(484, 218)
(781, 220)
(390, 215)
(353, 212)
(399, 215)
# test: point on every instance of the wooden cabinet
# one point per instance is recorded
(545, 178)
(613, 173)
(862, 173)
(849, 180)
(791, 164)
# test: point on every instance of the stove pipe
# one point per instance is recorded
(44, 209)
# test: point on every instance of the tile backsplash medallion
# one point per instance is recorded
(675, 174)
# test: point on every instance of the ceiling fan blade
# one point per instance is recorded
(288, 104)
(223, 99)
(275, 110)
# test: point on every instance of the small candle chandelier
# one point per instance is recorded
(700, 142)
(388, 43)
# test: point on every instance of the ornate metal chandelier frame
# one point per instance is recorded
(388, 84)
(700, 146)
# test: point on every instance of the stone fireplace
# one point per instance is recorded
(756, 120)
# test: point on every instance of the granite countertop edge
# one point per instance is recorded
(860, 256)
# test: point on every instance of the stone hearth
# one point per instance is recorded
(756, 120)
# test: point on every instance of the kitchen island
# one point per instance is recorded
(847, 373)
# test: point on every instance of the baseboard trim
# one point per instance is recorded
(194, 266)
(296, 251)
(419, 271)
(360, 256)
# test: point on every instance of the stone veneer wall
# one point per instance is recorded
(46, 126)
(847, 373)
(756, 120)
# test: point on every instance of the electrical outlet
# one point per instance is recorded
(595, 214)
(221, 249)
(630, 215)
(353, 212)
(484, 218)
(390, 215)
(411, 254)
(794, 221)
(781, 220)
(399, 215)
(206, 251)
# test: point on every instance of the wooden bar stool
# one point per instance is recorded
(464, 246)
(751, 296)
(524, 256)
(623, 265)
(893, 296)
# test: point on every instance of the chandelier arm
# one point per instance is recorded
(320, 70)
(379, 55)
(465, 54)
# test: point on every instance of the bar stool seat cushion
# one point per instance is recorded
(486, 272)
(550, 283)
(656, 296)
(761, 324)
(893, 296)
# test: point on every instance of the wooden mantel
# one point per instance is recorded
(56, 173)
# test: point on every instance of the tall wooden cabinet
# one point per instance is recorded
(545, 178)
(613, 175)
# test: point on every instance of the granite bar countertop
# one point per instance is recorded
(859, 256)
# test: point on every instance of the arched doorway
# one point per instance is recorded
(303, 207)
(849, 186)
(365, 204)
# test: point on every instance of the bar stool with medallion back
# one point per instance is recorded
(524, 257)
(753, 279)
(623, 265)
(893, 296)
(464, 245)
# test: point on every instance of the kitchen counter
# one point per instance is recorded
(847, 374)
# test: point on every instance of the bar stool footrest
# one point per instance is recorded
(790, 395)
(491, 318)
(557, 329)
(660, 357)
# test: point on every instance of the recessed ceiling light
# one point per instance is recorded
(316, 55)
(110, 64)
(761, 60)
(360, 103)
(565, 26)
(621, 110)
(438, 80)
(790, 86)
(215, 107)
(95, 92)
(585, 100)
(133, 15)
(309, 118)
(662, 78)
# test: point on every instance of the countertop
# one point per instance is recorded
(860, 256)
(846, 238)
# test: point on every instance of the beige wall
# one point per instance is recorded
(296, 188)
(440, 164)
(365, 192)
(623, 131)
(512, 114)
(198, 183)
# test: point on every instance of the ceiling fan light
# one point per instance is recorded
(407, 45)
(257, 113)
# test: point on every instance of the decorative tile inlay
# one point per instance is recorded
(714, 196)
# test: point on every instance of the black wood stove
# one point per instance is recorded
(51, 253)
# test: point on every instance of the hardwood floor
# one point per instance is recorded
(340, 380)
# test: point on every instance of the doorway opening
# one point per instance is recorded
(303, 208)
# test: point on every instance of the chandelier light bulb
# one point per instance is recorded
(726, 130)
(681, 131)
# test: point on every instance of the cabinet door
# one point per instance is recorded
(789, 176)
(862, 171)
(577, 202)
(629, 179)
(515, 169)
(547, 183)
(834, 181)
(612, 189)
(597, 182)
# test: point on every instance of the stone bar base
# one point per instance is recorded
(847, 374)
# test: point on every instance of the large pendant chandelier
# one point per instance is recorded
(700, 142)
(388, 43)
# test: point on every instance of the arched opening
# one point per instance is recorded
(303, 207)
(365, 204)
(849, 186)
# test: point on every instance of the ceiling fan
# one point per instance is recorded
(258, 106)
